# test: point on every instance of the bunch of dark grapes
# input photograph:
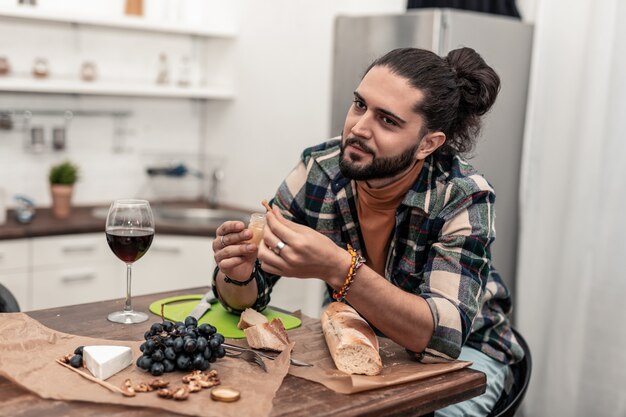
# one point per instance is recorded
(180, 346)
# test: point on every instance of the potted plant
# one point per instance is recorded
(62, 178)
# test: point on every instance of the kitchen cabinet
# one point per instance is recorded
(14, 268)
(74, 269)
(173, 263)
(91, 36)
(54, 271)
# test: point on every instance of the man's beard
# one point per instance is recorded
(379, 167)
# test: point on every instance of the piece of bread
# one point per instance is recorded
(270, 336)
(351, 341)
(250, 317)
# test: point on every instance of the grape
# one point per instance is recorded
(149, 347)
(169, 353)
(157, 369)
(190, 345)
(207, 353)
(201, 343)
(203, 329)
(198, 360)
(144, 362)
(158, 356)
(183, 362)
(76, 361)
(220, 352)
(168, 326)
(179, 345)
(214, 343)
(168, 365)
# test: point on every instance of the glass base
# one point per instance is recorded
(127, 317)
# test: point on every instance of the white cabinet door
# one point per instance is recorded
(68, 249)
(14, 265)
(77, 284)
(174, 263)
(19, 285)
(75, 269)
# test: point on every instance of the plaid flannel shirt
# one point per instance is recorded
(439, 251)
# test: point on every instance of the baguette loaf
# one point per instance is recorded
(270, 336)
(351, 341)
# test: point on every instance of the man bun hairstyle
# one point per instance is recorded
(458, 90)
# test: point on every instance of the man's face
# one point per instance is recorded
(381, 134)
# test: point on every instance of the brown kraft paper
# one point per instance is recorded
(28, 351)
(398, 367)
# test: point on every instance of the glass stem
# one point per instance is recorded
(127, 306)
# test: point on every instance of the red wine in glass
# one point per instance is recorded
(129, 232)
(129, 244)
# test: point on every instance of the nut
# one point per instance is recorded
(194, 386)
(193, 376)
(208, 384)
(127, 389)
(181, 393)
(143, 387)
(158, 383)
(66, 358)
(165, 393)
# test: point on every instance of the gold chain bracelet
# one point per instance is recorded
(355, 263)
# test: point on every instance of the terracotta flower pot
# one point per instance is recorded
(61, 200)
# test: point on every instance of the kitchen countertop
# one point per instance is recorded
(82, 220)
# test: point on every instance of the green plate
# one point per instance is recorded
(177, 308)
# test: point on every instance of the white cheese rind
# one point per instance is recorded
(105, 361)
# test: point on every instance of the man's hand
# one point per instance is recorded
(233, 255)
(306, 254)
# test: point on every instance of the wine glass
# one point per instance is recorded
(129, 231)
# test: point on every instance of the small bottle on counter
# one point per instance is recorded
(256, 226)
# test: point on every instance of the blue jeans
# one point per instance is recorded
(497, 375)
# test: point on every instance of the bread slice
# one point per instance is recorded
(269, 336)
(250, 317)
(352, 343)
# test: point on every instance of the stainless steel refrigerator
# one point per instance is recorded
(505, 44)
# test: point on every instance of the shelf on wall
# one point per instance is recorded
(122, 22)
(111, 89)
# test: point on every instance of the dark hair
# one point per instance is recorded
(458, 90)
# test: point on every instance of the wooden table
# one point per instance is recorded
(296, 396)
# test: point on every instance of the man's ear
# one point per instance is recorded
(429, 144)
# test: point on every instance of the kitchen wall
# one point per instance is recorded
(279, 65)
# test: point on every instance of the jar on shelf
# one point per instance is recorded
(5, 67)
(88, 71)
(41, 68)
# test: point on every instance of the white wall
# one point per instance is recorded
(284, 54)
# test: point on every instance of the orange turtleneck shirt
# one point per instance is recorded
(376, 208)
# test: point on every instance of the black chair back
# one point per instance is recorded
(8, 303)
(508, 404)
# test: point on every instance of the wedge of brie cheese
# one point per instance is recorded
(104, 361)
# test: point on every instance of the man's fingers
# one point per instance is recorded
(233, 226)
(229, 263)
(282, 228)
(234, 251)
(224, 240)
